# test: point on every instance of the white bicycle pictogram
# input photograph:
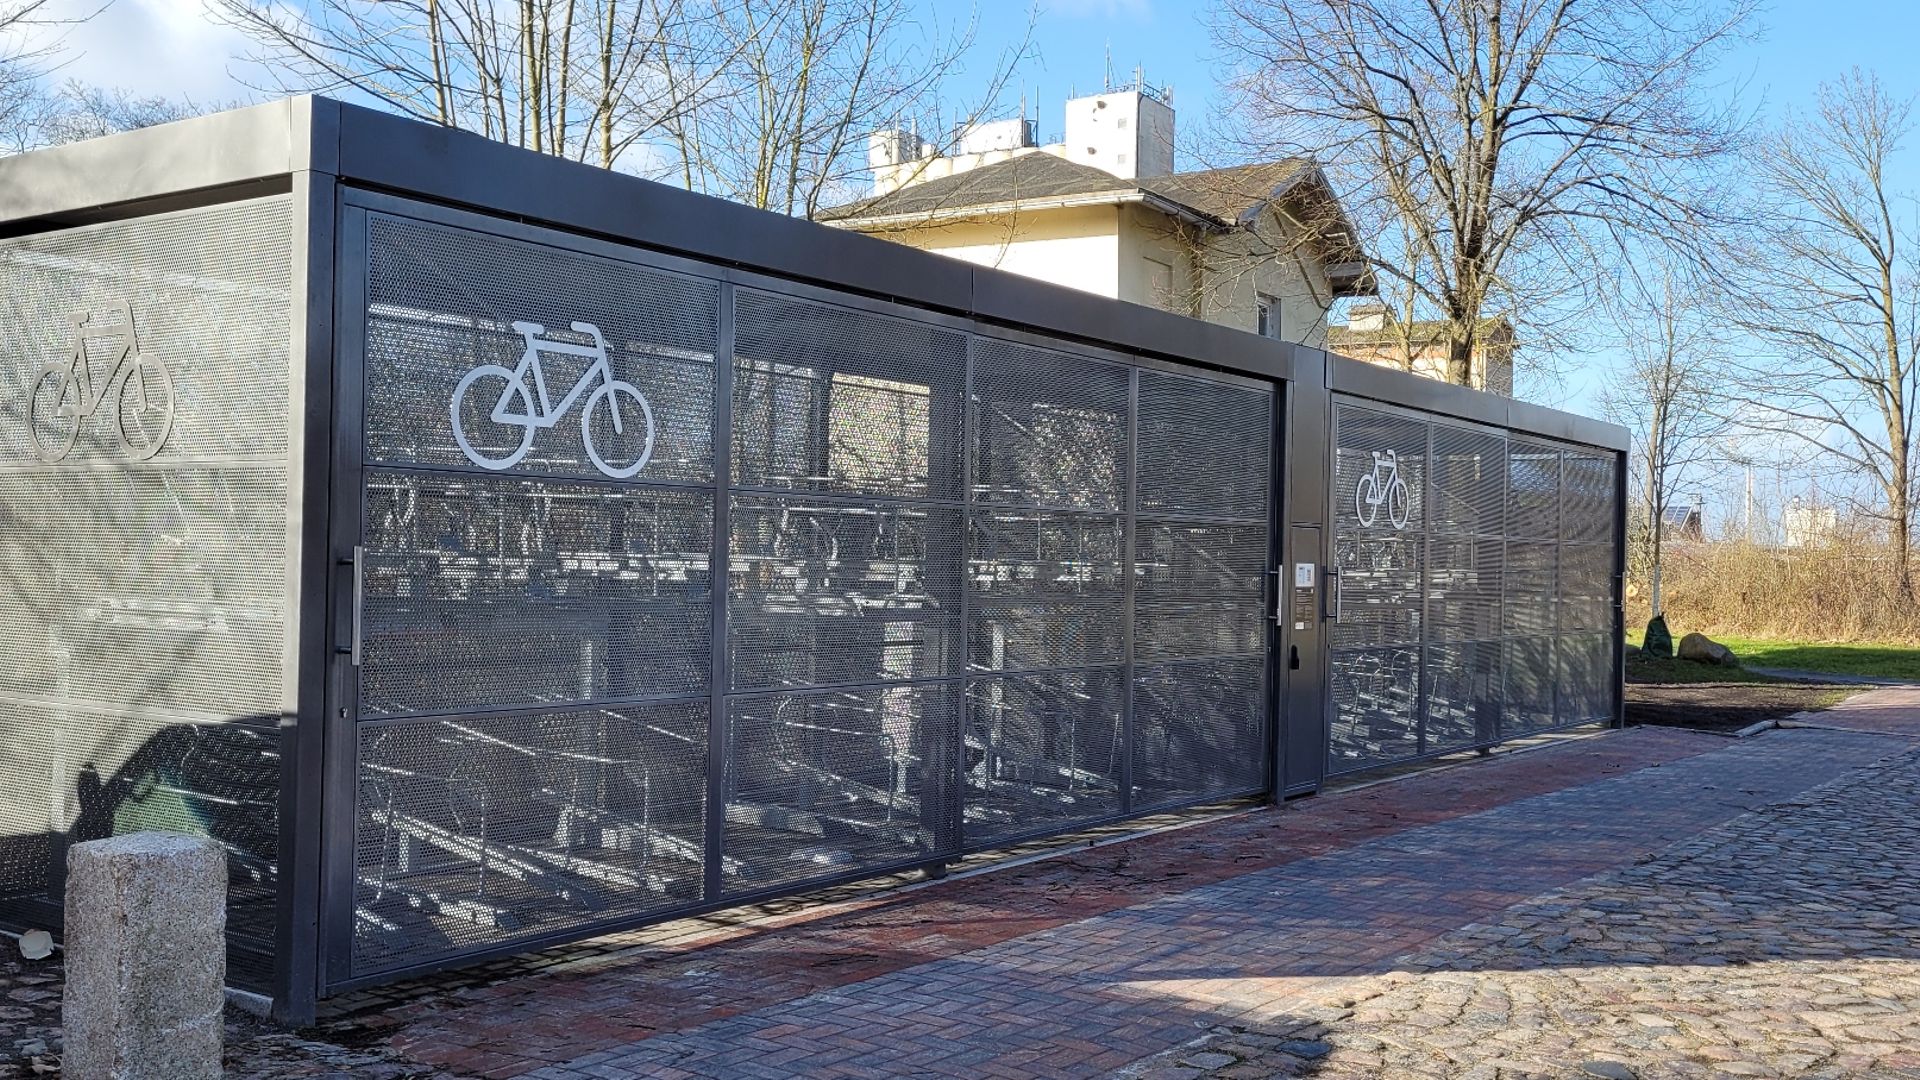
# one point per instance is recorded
(1383, 485)
(64, 393)
(526, 384)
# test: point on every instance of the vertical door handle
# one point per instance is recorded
(1333, 593)
(359, 561)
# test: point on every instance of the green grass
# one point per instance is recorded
(1646, 669)
(1869, 658)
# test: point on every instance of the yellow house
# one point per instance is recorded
(1263, 247)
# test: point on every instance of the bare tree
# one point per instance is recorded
(583, 79)
(1490, 150)
(781, 122)
(1667, 393)
(78, 111)
(22, 66)
(1828, 279)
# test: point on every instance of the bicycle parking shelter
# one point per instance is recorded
(492, 551)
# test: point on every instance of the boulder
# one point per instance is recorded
(1659, 640)
(1702, 649)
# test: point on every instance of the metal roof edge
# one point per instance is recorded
(1357, 378)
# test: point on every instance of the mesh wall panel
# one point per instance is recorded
(823, 593)
(1380, 592)
(826, 783)
(1530, 676)
(1585, 674)
(1042, 752)
(1047, 428)
(1199, 730)
(1046, 590)
(1469, 486)
(1464, 692)
(1586, 508)
(1464, 581)
(443, 304)
(1379, 476)
(1533, 491)
(1586, 587)
(1376, 697)
(830, 399)
(1531, 592)
(491, 592)
(475, 833)
(1205, 449)
(1199, 590)
(143, 520)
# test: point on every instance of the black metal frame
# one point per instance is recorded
(340, 161)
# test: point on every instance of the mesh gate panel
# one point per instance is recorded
(830, 782)
(1469, 488)
(1048, 429)
(479, 832)
(1199, 590)
(830, 399)
(491, 592)
(1042, 752)
(823, 593)
(1205, 449)
(1199, 730)
(1376, 698)
(141, 642)
(1464, 688)
(1499, 564)
(1045, 590)
(443, 304)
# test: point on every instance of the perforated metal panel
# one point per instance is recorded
(831, 782)
(1042, 752)
(830, 399)
(822, 593)
(446, 305)
(946, 622)
(490, 592)
(476, 832)
(1514, 550)
(1376, 703)
(1048, 428)
(1464, 691)
(144, 370)
(1045, 590)
(1199, 730)
(1205, 448)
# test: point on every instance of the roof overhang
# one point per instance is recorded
(1010, 207)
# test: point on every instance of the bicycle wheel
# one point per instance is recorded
(1365, 506)
(489, 430)
(625, 433)
(145, 408)
(53, 412)
(1398, 499)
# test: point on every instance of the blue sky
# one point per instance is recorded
(169, 47)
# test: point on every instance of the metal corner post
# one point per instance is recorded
(718, 725)
(296, 979)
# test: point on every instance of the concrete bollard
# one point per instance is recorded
(146, 958)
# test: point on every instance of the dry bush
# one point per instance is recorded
(1840, 590)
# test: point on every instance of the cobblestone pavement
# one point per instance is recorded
(1527, 914)
(1785, 943)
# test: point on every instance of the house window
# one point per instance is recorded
(1268, 308)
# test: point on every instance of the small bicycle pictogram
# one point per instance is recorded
(1383, 485)
(64, 393)
(536, 410)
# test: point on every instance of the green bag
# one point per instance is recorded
(1658, 642)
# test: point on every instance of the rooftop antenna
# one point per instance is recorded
(1109, 80)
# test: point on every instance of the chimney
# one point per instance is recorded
(1367, 317)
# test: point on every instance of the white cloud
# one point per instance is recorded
(170, 48)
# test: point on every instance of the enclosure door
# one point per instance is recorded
(665, 587)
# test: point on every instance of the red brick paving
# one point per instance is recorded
(557, 1016)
